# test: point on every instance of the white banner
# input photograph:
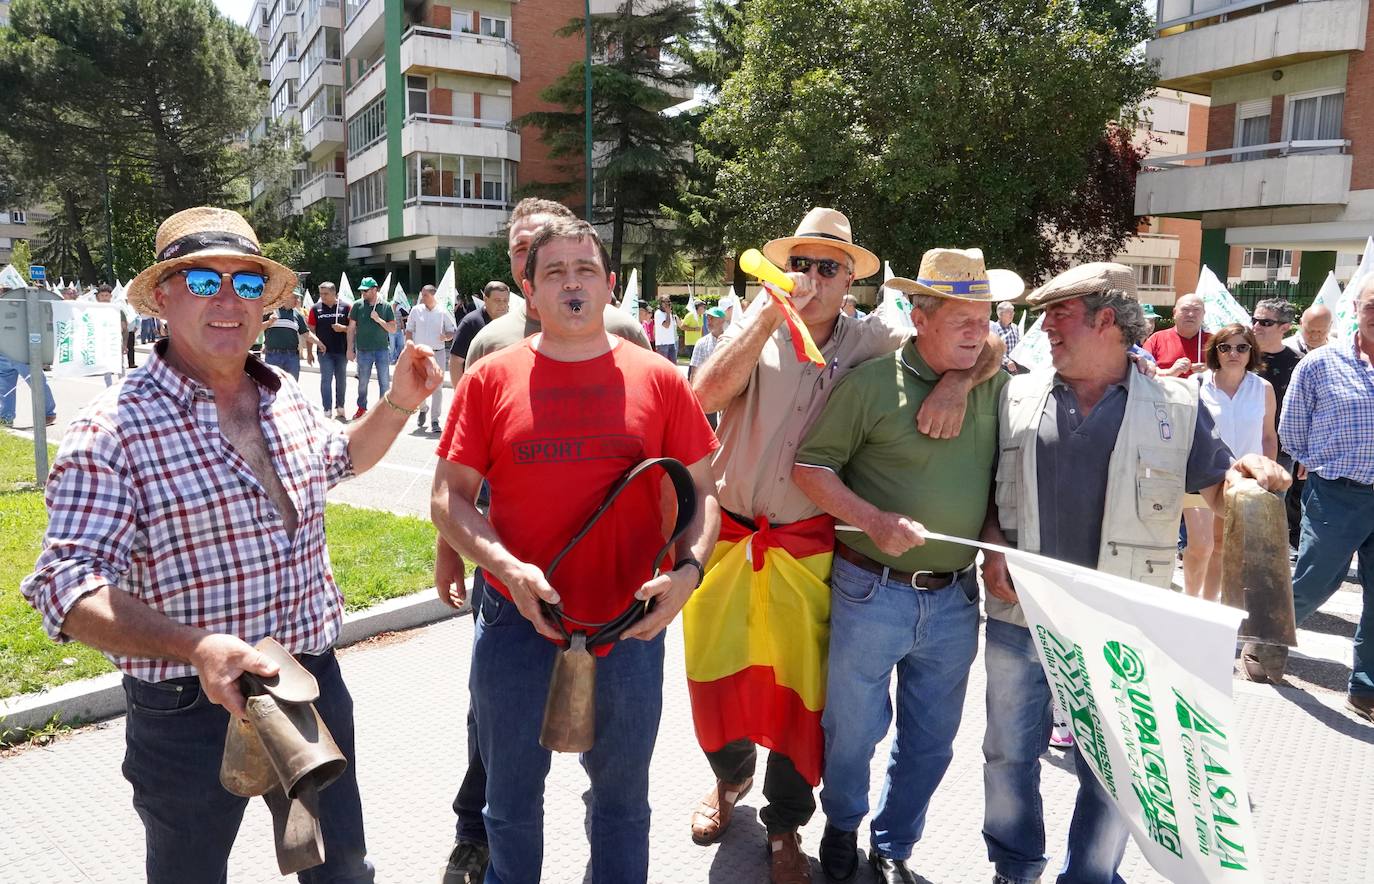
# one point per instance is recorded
(1219, 307)
(86, 338)
(1144, 675)
(1344, 323)
(1033, 350)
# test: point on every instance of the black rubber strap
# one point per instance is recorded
(686, 493)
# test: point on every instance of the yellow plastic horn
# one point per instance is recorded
(755, 264)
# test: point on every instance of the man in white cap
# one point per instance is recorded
(898, 603)
(222, 545)
(756, 628)
(1094, 460)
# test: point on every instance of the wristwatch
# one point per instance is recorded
(701, 572)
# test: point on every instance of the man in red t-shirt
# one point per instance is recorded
(1178, 351)
(552, 424)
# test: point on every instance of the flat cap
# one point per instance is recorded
(1085, 279)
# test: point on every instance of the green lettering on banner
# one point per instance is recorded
(1216, 820)
(1149, 772)
(1073, 688)
(63, 344)
(87, 340)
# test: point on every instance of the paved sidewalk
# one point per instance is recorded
(69, 818)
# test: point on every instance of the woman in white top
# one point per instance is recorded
(1242, 404)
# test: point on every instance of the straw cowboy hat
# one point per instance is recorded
(825, 227)
(192, 235)
(959, 274)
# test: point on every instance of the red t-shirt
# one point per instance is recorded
(1167, 347)
(552, 438)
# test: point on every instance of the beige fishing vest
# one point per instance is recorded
(1145, 485)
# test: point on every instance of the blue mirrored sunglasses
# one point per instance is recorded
(204, 283)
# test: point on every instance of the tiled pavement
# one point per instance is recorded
(67, 815)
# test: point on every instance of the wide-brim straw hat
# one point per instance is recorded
(1085, 279)
(962, 275)
(192, 235)
(824, 227)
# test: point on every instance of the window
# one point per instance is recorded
(446, 179)
(367, 127)
(1315, 117)
(462, 21)
(325, 104)
(284, 99)
(417, 95)
(493, 181)
(19, 216)
(367, 196)
(1154, 276)
(1252, 127)
(495, 27)
(324, 47)
(1266, 264)
(496, 108)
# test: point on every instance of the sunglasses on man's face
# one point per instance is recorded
(826, 267)
(1239, 348)
(204, 282)
(1268, 323)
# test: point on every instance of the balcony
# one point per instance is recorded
(367, 160)
(290, 70)
(435, 49)
(362, 26)
(433, 133)
(328, 72)
(367, 231)
(1284, 173)
(323, 136)
(454, 217)
(1193, 52)
(326, 185)
(366, 88)
(313, 17)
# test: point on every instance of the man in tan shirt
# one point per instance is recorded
(765, 589)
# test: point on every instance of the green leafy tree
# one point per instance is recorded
(151, 92)
(480, 266)
(21, 257)
(933, 123)
(641, 155)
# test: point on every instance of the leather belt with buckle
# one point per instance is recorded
(917, 579)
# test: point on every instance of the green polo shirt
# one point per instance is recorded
(368, 335)
(867, 434)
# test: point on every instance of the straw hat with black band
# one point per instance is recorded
(189, 237)
(824, 227)
(959, 274)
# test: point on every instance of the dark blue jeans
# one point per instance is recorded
(333, 379)
(511, 668)
(472, 793)
(1337, 523)
(288, 361)
(174, 743)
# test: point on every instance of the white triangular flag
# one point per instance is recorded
(1344, 322)
(11, 278)
(345, 290)
(1219, 307)
(1033, 350)
(384, 293)
(399, 299)
(630, 304)
(893, 308)
(1330, 292)
(446, 293)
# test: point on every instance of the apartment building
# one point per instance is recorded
(1284, 187)
(20, 224)
(406, 110)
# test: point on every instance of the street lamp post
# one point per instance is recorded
(587, 105)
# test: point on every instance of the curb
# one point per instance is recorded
(95, 699)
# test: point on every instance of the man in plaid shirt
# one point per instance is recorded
(1328, 427)
(186, 523)
(1009, 333)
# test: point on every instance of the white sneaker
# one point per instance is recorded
(338, 414)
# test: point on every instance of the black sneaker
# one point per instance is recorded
(839, 853)
(467, 864)
(419, 420)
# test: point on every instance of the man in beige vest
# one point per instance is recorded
(756, 631)
(1094, 461)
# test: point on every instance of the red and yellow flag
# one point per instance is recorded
(757, 632)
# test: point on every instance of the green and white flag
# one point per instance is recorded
(384, 293)
(399, 299)
(12, 279)
(893, 307)
(345, 290)
(1033, 350)
(446, 293)
(1144, 675)
(1344, 322)
(1219, 307)
(630, 303)
(86, 338)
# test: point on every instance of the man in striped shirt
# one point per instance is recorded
(186, 523)
(1328, 427)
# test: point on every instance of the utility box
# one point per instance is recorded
(14, 325)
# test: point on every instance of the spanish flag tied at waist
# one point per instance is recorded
(756, 631)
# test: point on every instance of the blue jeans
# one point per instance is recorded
(10, 373)
(367, 359)
(1018, 731)
(174, 743)
(667, 351)
(509, 680)
(472, 792)
(930, 637)
(333, 379)
(1337, 523)
(288, 361)
(398, 341)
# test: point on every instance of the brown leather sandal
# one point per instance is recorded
(712, 816)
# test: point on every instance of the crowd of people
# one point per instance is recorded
(804, 577)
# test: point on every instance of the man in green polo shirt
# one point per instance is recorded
(370, 325)
(898, 602)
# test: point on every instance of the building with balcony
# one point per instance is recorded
(1284, 186)
(21, 224)
(406, 108)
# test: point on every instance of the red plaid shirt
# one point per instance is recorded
(146, 495)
